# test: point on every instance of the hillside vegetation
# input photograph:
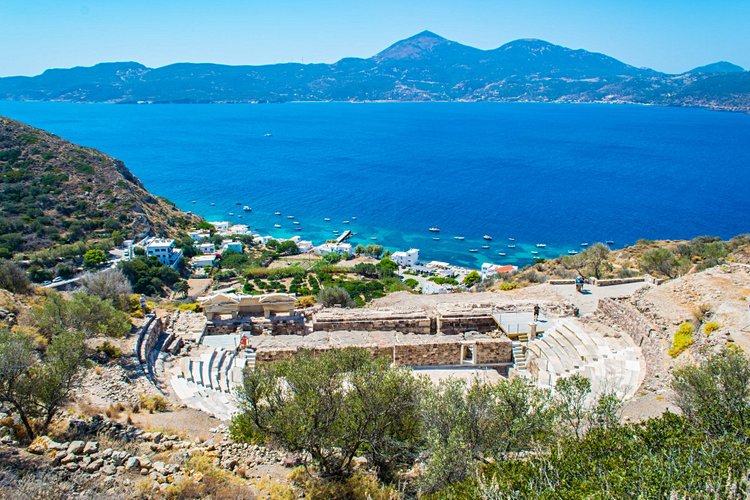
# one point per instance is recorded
(55, 194)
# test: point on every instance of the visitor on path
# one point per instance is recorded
(536, 312)
(577, 312)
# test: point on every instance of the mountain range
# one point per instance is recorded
(425, 67)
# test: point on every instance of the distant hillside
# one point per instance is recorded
(54, 192)
(425, 67)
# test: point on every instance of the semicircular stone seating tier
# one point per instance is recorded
(207, 381)
(611, 364)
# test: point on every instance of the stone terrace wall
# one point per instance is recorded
(369, 321)
(494, 351)
(271, 355)
(457, 323)
(439, 353)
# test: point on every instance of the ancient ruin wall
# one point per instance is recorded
(646, 334)
(494, 351)
(424, 325)
(442, 353)
(457, 324)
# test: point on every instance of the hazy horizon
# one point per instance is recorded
(671, 37)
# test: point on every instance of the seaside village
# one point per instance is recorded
(158, 413)
(198, 357)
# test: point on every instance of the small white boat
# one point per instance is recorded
(231, 214)
(373, 238)
(213, 204)
(610, 242)
(298, 229)
(501, 254)
(327, 219)
(487, 237)
(541, 245)
(345, 222)
(572, 252)
(246, 208)
(434, 230)
(267, 134)
(354, 218)
(584, 244)
(290, 217)
(511, 246)
(193, 201)
(436, 238)
(239, 216)
(511, 239)
(473, 250)
(277, 226)
(189, 212)
(335, 232)
(296, 223)
(534, 252)
(485, 247)
(459, 238)
(277, 213)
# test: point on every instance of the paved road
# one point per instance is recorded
(110, 263)
(588, 301)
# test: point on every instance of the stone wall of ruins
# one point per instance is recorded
(405, 324)
(439, 353)
(645, 333)
(455, 324)
(494, 351)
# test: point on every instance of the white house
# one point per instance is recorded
(206, 248)
(164, 250)
(340, 248)
(304, 245)
(262, 239)
(203, 261)
(233, 245)
(220, 225)
(489, 270)
(241, 229)
(199, 236)
(406, 259)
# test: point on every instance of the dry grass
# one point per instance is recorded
(154, 403)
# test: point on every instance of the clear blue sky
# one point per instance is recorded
(667, 35)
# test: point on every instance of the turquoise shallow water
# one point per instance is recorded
(551, 173)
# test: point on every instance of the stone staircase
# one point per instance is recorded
(519, 356)
(612, 365)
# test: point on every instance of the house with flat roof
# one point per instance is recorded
(199, 236)
(406, 259)
(340, 248)
(234, 245)
(203, 261)
(164, 250)
(206, 248)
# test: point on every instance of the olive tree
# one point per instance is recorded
(715, 396)
(333, 406)
(109, 284)
(36, 386)
(467, 425)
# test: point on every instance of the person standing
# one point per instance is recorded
(536, 312)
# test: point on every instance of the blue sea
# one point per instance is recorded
(559, 174)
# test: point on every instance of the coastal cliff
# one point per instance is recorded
(55, 192)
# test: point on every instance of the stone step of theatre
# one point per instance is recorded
(217, 369)
(611, 364)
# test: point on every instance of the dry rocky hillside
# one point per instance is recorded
(53, 192)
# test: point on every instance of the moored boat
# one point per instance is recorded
(434, 229)
(487, 237)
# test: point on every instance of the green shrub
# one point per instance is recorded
(508, 285)
(111, 350)
(334, 295)
(154, 403)
(683, 338)
(411, 283)
(711, 327)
